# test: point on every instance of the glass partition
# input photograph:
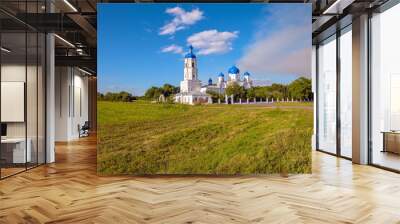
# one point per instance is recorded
(327, 96)
(22, 88)
(346, 92)
(13, 94)
(385, 89)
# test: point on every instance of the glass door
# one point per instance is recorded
(326, 135)
(346, 92)
(385, 89)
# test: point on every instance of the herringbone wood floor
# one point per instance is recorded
(69, 191)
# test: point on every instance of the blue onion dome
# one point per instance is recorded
(221, 74)
(209, 81)
(246, 74)
(233, 70)
(190, 54)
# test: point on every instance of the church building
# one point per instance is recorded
(190, 86)
(192, 92)
(233, 77)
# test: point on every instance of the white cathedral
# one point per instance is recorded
(192, 92)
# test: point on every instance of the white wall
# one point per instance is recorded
(62, 82)
(71, 102)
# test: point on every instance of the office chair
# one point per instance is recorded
(84, 130)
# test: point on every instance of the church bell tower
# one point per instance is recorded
(190, 81)
(190, 70)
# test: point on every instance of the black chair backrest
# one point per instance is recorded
(86, 125)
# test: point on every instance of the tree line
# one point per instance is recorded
(153, 93)
(299, 89)
(167, 90)
(120, 96)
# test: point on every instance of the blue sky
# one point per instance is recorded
(142, 45)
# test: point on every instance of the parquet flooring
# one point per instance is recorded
(69, 191)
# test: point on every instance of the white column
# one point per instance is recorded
(50, 98)
(360, 90)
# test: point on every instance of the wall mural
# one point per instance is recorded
(204, 89)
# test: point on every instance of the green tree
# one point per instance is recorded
(215, 96)
(251, 93)
(236, 90)
(124, 96)
(100, 96)
(169, 89)
(300, 89)
(276, 94)
(121, 96)
(261, 92)
(279, 90)
(153, 93)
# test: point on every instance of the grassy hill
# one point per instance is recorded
(146, 138)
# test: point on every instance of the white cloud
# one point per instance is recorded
(282, 44)
(181, 20)
(212, 41)
(280, 53)
(173, 49)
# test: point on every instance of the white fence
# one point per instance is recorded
(230, 100)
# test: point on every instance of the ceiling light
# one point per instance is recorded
(79, 51)
(65, 41)
(84, 71)
(337, 7)
(5, 50)
(70, 5)
(327, 11)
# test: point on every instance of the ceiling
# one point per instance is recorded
(75, 22)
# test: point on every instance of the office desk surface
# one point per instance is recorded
(19, 153)
(13, 140)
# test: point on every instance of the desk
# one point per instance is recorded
(15, 148)
(391, 141)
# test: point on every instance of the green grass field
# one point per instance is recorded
(146, 138)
